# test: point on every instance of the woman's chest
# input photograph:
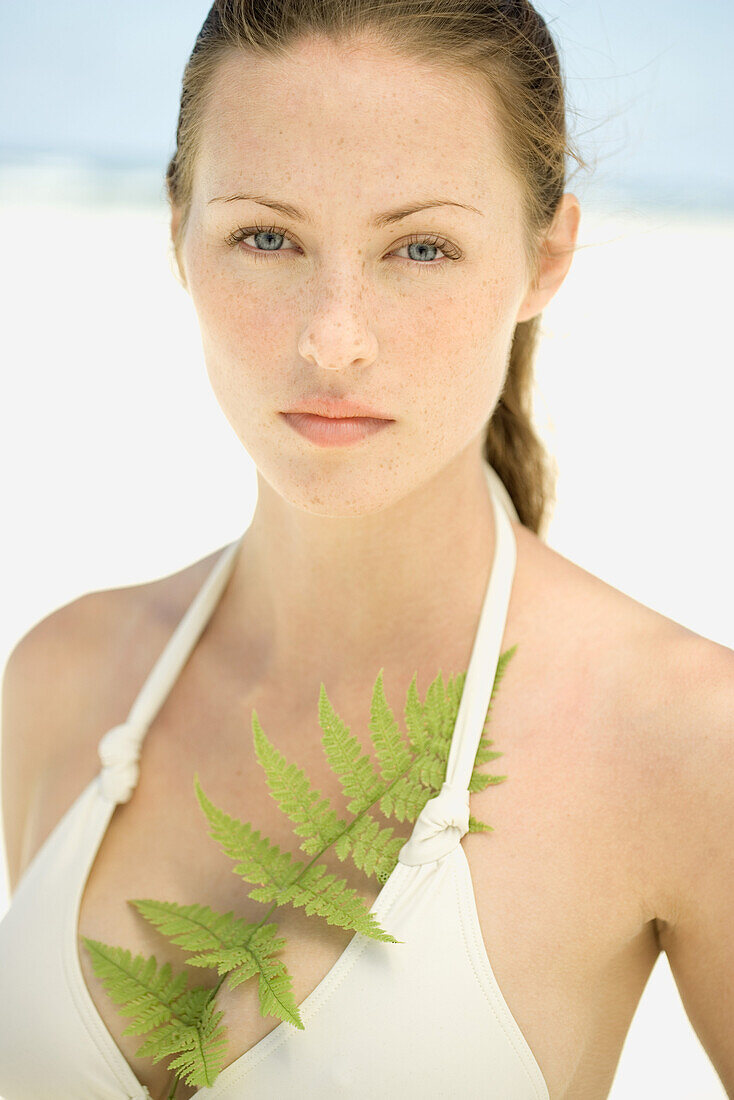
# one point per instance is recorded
(555, 883)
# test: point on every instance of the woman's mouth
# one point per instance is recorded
(328, 431)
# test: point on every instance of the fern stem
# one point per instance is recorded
(173, 1085)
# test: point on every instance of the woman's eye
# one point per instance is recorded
(265, 243)
(265, 240)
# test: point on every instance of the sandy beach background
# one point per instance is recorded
(119, 466)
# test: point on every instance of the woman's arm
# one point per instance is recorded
(691, 788)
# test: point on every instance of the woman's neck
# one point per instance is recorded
(315, 598)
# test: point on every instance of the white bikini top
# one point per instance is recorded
(420, 1020)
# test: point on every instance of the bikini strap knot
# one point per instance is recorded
(119, 753)
(441, 824)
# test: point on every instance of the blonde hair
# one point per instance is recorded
(508, 44)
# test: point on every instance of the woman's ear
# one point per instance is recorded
(174, 261)
(556, 253)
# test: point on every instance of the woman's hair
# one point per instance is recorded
(507, 43)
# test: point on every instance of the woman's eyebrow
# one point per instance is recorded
(380, 220)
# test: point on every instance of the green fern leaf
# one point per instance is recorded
(178, 1034)
(480, 780)
(377, 858)
(432, 771)
(414, 719)
(370, 843)
(195, 927)
(155, 999)
(502, 663)
(258, 958)
(485, 754)
(454, 691)
(261, 861)
(437, 715)
(200, 1063)
(406, 798)
(282, 880)
(359, 780)
(390, 748)
(275, 993)
(309, 812)
(330, 897)
(226, 943)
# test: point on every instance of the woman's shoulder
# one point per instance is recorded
(589, 616)
(68, 679)
(658, 695)
(100, 627)
(643, 658)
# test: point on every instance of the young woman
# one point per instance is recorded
(369, 212)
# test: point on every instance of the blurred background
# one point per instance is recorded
(119, 466)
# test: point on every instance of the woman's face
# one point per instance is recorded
(413, 317)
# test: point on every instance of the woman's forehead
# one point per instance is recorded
(408, 134)
(384, 101)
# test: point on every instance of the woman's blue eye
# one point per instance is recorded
(265, 232)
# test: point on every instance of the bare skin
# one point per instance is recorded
(565, 887)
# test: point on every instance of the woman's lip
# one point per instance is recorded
(336, 408)
(334, 431)
(319, 416)
(333, 416)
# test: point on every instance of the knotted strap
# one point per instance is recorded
(444, 819)
(119, 753)
(120, 747)
(441, 824)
